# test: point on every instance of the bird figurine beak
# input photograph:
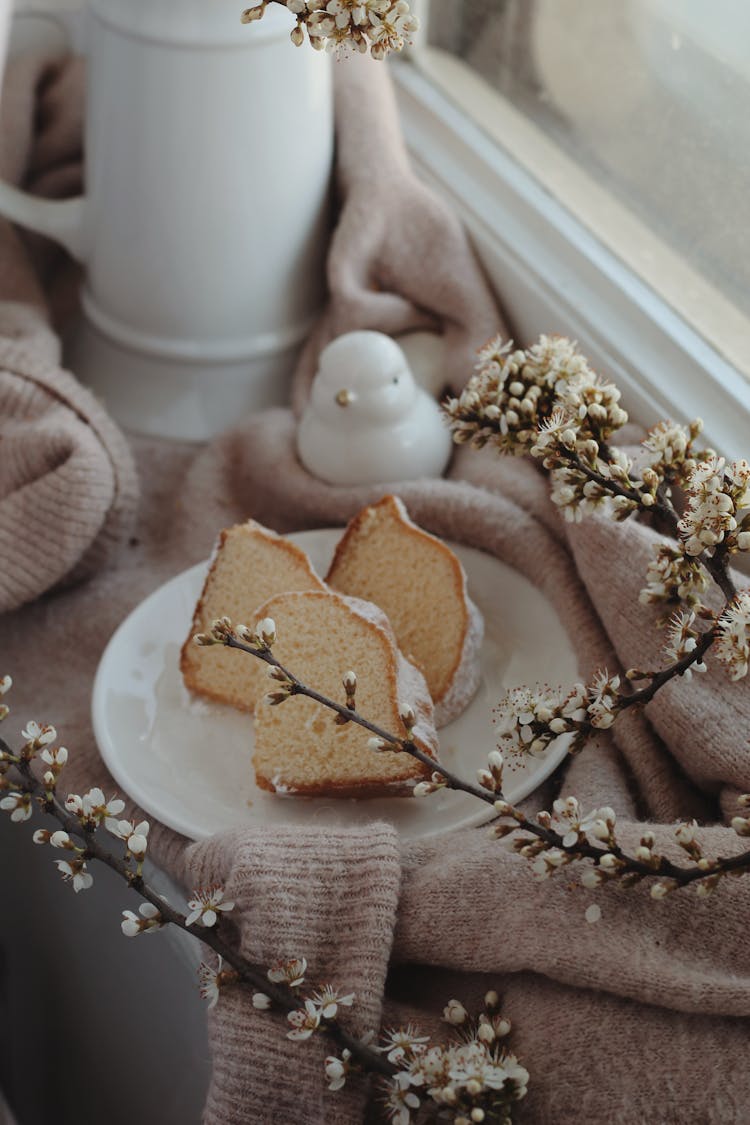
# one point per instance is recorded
(345, 397)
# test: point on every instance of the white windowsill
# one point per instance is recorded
(554, 273)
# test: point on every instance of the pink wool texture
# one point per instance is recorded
(642, 1018)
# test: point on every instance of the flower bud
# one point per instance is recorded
(266, 630)
(455, 1013)
(350, 683)
(203, 639)
(486, 780)
(137, 845)
(274, 698)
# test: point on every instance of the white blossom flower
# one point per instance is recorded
(75, 871)
(6, 683)
(473, 1067)
(337, 1069)
(74, 804)
(673, 577)
(548, 862)
(261, 1001)
(682, 639)
(206, 905)
(732, 644)
(711, 511)
(573, 825)
(558, 431)
(18, 805)
(429, 1068)
(304, 1021)
(37, 736)
(41, 836)
(327, 1000)
(402, 1041)
(134, 835)
(61, 839)
(291, 972)
(211, 981)
(401, 1099)
(94, 806)
(739, 482)
(528, 719)
(391, 30)
(150, 919)
(603, 700)
(56, 756)
(667, 443)
(346, 12)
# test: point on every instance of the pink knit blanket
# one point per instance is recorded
(642, 1017)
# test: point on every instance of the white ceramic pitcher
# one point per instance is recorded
(208, 160)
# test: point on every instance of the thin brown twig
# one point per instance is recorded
(248, 973)
(581, 849)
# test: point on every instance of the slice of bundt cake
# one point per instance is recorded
(299, 748)
(417, 580)
(249, 565)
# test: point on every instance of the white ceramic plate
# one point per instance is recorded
(188, 762)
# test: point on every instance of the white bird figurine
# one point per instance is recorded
(367, 420)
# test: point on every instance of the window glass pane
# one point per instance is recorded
(652, 97)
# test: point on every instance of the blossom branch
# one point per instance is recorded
(609, 860)
(27, 785)
(344, 25)
(465, 1076)
(345, 711)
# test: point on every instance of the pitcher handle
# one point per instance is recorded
(61, 220)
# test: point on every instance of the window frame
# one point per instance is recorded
(553, 273)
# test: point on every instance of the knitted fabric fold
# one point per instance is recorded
(293, 897)
(399, 259)
(68, 488)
